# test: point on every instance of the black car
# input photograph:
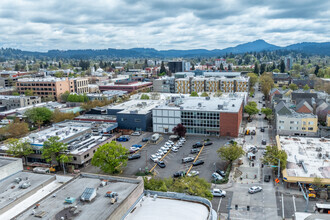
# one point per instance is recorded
(208, 143)
(179, 174)
(249, 119)
(194, 151)
(198, 144)
(198, 162)
(267, 178)
(161, 164)
(221, 173)
(262, 130)
(145, 139)
(263, 142)
(134, 156)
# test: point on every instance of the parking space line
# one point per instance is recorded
(196, 158)
(294, 203)
(282, 207)
(160, 160)
(141, 148)
(219, 205)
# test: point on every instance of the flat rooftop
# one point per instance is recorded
(10, 191)
(96, 117)
(137, 106)
(99, 208)
(203, 104)
(163, 208)
(45, 79)
(5, 161)
(314, 152)
(128, 85)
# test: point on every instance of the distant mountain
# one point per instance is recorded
(255, 46)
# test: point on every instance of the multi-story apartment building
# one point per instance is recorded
(213, 84)
(289, 122)
(46, 87)
(81, 85)
(164, 85)
(12, 102)
(204, 116)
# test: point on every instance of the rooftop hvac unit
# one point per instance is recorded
(155, 197)
(88, 195)
(220, 107)
(207, 98)
(199, 104)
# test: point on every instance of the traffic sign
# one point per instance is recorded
(277, 180)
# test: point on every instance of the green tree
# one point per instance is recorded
(29, 93)
(267, 111)
(194, 186)
(16, 129)
(162, 68)
(204, 94)
(306, 87)
(282, 66)
(276, 70)
(267, 83)
(194, 94)
(273, 154)
(262, 68)
(316, 69)
(64, 96)
(221, 66)
(39, 115)
(15, 93)
(251, 108)
(256, 68)
(19, 148)
(253, 79)
(293, 86)
(296, 68)
(284, 87)
(218, 93)
(231, 152)
(145, 97)
(53, 150)
(110, 157)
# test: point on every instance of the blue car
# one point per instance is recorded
(123, 138)
(137, 145)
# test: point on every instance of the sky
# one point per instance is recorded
(41, 25)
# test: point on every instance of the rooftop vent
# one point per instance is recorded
(220, 107)
(207, 98)
(199, 104)
(233, 105)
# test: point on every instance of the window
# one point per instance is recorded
(304, 123)
(304, 128)
(281, 122)
(291, 122)
(310, 123)
(310, 128)
(74, 158)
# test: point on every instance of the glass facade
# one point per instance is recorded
(201, 122)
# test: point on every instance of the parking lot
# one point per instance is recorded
(173, 160)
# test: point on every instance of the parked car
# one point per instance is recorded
(262, 129)
(255, 189)
(249, 119)
(154, 158)
(182, 139)
(161, 164)
(136, 133)
(267, 178)
(218, 192)
(263, 142)
(134, 156)
(145, 139)
(260, 101)
(264, 105)
(164, 149)
(198, 144)
(123, 138)
(187, 159)
(175, 149)
(259, 113)
(137, 145)
(221, 172)
(133, 150)
(253, 132)
(158, 156)
(198, 162)
(207, 143)
(179, 174)
(160, 152)
(193, 173)
(194, 151)
(216, 176)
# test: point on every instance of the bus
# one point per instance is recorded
(322, 208)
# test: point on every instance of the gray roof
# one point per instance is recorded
(282, 109)
(273, 90)
(304, 103)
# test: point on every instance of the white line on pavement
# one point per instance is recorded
(219, 205)
(294, 203)
(282, 207)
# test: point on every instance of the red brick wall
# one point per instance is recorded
(304, 109)
(230, 123)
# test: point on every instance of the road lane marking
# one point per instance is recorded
(160, 160)
(282, 206)
(196, 158)
(219, 205)
(294, 203)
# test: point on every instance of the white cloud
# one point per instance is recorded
(161, 24)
